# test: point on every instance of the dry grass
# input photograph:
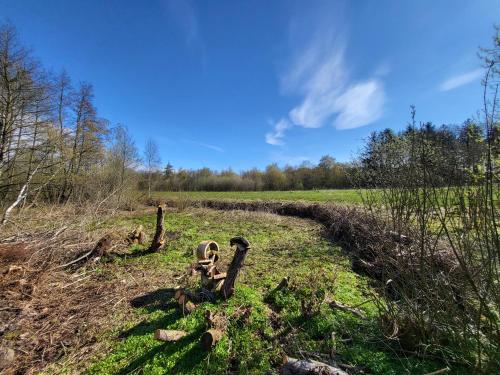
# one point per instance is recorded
(46, 311)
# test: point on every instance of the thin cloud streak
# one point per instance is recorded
(288, 159)
(460, 80)
(185, 16)
(329, 96)
(206, 145)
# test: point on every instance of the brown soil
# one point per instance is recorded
(12, 253)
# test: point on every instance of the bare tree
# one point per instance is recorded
(24, 127)
(152, 160)
(124, 156)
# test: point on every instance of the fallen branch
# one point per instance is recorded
(337, 305)
(294, 366)
(437, 372)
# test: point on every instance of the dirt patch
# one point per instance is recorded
(13, 253)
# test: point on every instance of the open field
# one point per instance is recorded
(129, 295)
(339, 196)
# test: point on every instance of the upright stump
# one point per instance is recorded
(159, 238)
(242, 247)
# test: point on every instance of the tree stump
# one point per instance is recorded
(242, 247)
(159, 238)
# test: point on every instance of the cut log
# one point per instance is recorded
(210, 338)
(178, 293)
(218, 286)
(220, 276)
(294, 366)
(207, 249)
(159, 238)
(205, 262)
(185, 304)
(169, 335)
(242, 247)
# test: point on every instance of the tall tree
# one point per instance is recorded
(152, 160)
(124, 156)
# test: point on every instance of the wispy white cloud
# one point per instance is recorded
(206, 145)
(185, 17)
(460, 80)
(360, 105)
(276, 136)
(329, 96)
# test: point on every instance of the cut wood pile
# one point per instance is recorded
(213, 284)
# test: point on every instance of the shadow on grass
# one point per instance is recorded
(160, 299)
(190, 354)
(190, 359)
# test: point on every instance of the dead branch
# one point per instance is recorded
(294, 366)
(337, 305)
(437, 372)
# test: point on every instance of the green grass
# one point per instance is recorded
(278, 323)
(341, 196)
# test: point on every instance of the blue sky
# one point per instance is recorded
(247, 83)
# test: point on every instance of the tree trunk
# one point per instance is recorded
(22, 194)
(242, 247)
(159, 238)
(294, 366)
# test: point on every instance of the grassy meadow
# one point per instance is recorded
(278, 323)
(339, 195)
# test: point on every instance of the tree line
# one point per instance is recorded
(53, 145)
(453, 154)
(444, 155)
(327, 174)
